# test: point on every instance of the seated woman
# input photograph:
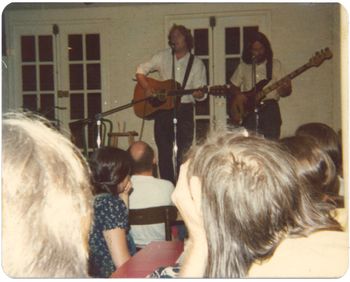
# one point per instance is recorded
(242, 202)
(108, 241)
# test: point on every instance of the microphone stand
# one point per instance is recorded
(175, 148)
(256, 110)
(98, 118)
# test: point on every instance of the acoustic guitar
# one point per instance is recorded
(167, 96)
(250, 100)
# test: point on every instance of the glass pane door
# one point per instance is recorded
(84, 68)
(37, 72)
(59, 67)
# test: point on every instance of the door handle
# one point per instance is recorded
(62, 93)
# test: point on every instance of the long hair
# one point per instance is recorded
(314, 165)
(247, 52)
(185, 32)
(46, 201)
(251, 200)
(109, 167)
(326, 137)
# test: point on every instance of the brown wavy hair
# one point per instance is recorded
(185, 32)
(326, 137)
(247, 52)
(251, 200)
(314, 165)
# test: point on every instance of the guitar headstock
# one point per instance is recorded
(319, 57)
(219, 90)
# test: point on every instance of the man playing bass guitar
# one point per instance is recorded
(172, 63)
(258, 58)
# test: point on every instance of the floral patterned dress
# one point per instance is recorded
(109, 212)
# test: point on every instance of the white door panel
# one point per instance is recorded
(58, 68)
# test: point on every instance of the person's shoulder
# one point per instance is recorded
(198, 63)
(102, 198)
(106, 199)
(163, 52)
(198, 60)
(162, 184)
(243, 65)
(309, 262)
(165, 182)
(103, 202)
(276, 62)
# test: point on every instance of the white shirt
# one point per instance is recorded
(149, 192)
(163, 61)
(242, 77)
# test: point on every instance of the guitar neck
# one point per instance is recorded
(180, 92)
(279, 83)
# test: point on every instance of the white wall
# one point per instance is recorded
(297, 32)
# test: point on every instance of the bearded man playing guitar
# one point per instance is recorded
(172, 64)
(258, 57)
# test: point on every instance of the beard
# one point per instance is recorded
(260, 59)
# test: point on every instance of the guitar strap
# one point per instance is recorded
(188, 70)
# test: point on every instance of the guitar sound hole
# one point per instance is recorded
(156, 102)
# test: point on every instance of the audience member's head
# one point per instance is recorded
(251, 199)
(46, 201)
(111, 168)
(315, 166)
(327, 139)
(143, 157)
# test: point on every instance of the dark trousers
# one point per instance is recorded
(269, 122)
(164, 136)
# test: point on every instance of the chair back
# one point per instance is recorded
(88, 142)
(105, 129)
(162, 214)
(78, 138)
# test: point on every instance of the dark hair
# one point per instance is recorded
(185, 32)
(109, 167)
(314, 165)
(247, 52)
(326, 137)
(145, 161)
(251, 200)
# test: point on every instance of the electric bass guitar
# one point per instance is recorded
(167, 96)
(244, 104)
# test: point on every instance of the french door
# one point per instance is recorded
(219, 41)
(59, 72)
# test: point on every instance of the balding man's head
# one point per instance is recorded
(137, 149)
(143, 157)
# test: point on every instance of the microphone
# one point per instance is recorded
(172, 46)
